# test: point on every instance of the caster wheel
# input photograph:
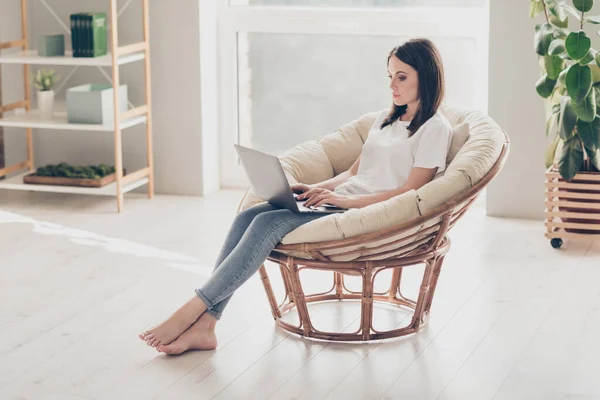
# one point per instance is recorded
(556, 243)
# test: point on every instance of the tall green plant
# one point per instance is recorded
(570, 83)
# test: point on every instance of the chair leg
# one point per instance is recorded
(395, 285)
(269, 289)
(367, 302)
(338, 280)
(434, 280)
(417, 319)
(299, 297)
(285, 277)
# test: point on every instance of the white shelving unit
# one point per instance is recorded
(16, 183)
(30, 119)
(31, 57)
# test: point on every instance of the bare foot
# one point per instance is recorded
(173, 327)
(200, 336)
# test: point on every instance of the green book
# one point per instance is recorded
(95, 35)
(77, 34)
(72, 19)
(99, 29)
(87, 34)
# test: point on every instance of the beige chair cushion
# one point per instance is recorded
(319, 160)
(460, 135)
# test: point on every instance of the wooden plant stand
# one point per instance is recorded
(572, 208)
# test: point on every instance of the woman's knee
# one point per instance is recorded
(252, 212)
(272, 224)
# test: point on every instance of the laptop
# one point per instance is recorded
(268, 182)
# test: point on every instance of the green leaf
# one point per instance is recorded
(596, 88)
(551, 151)
(560, 33)
(557, 46)
(595, 73)
(544, 86)
(565, 56)
(579, 82)
(594, 156)
(543, 37)
(586, 110)
(552, 118)
(577, 44)
(593, 20)
(535, 7)
(557, 22)
(558, 17)
(566, 119)
(562, 77)
(589, 132)
(571, 158)
(554, 66)
(583, 5)
(589, 57)
(570, 9)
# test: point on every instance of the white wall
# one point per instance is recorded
(514, 104)
(175, 53)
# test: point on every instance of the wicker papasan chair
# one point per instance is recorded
(407, 230)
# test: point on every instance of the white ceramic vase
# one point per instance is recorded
(45, 101)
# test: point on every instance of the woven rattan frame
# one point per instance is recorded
(429, 250)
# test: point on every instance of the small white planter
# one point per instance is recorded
(45, 100)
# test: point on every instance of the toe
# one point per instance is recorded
(170, 349)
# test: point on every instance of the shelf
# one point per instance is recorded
(31, 57)
(32, 119)
(16, 183)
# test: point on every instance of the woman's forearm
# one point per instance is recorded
(334, 182)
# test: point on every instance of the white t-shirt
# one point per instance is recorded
(389, 154)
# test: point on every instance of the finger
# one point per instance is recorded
(310, 193)
(330, 200)
(312, 200)
(316, 199)
(304, 194)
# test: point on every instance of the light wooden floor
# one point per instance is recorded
(512, 317)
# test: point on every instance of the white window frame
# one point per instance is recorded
(451, 22)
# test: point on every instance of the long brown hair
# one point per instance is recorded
(424, 57)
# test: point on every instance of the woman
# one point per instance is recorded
(405, 148)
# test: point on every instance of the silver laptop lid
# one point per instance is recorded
(267, 177)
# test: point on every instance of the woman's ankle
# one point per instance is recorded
(207, 321)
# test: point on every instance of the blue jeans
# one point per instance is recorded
(254, 233)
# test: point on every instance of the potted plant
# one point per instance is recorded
(44, 81)
(570, 85)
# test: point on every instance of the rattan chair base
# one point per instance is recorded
(416, 241)
(296, 299)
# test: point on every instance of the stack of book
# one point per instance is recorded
(89, 34)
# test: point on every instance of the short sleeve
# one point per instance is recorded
(433, 145)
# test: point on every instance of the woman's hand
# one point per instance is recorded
(301, 188)
(318, 197)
